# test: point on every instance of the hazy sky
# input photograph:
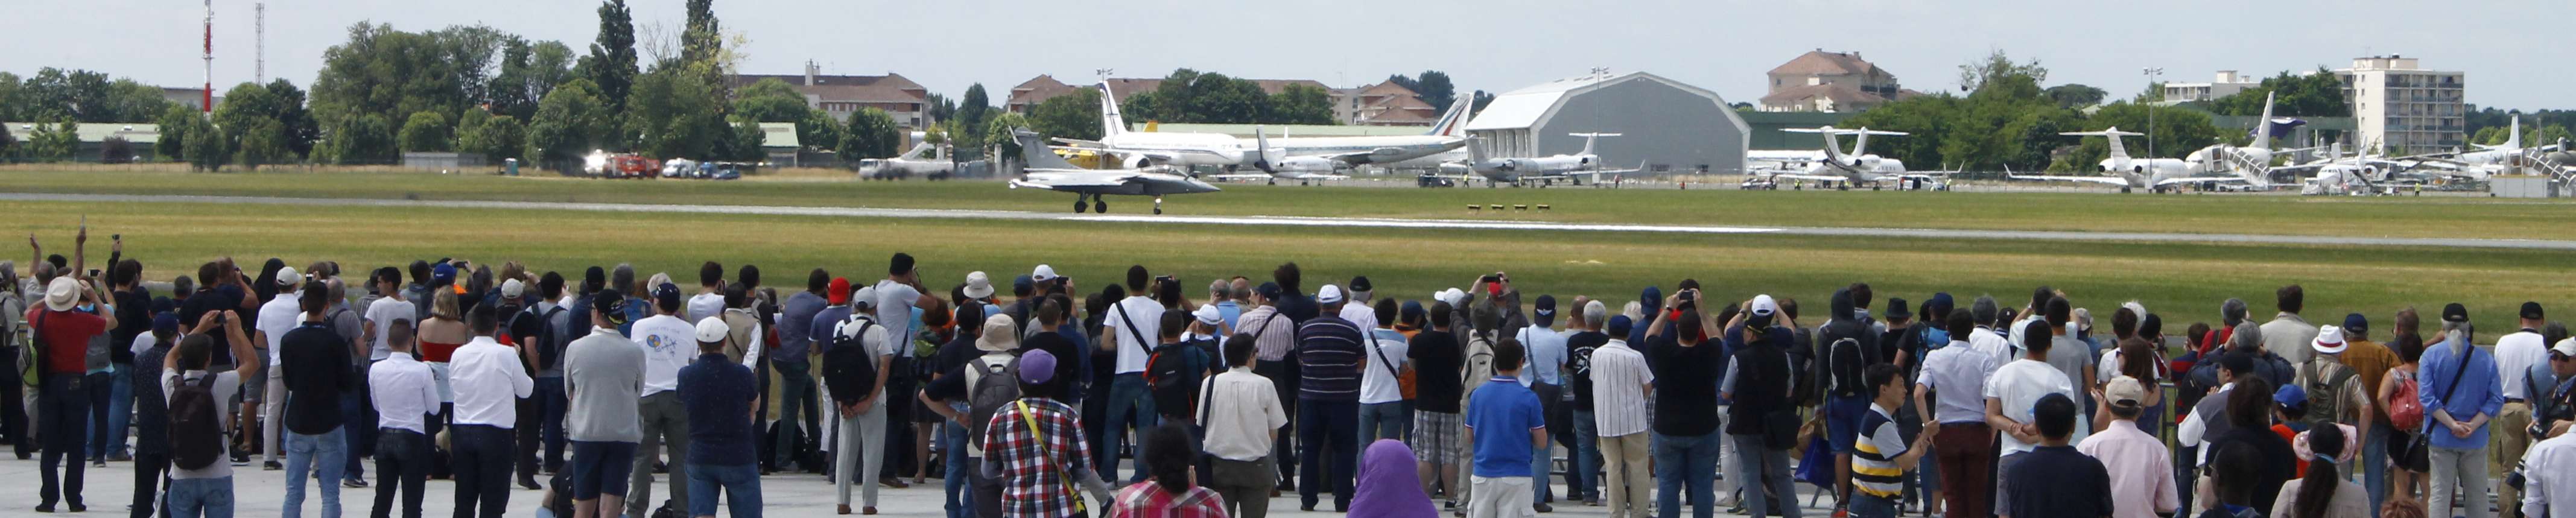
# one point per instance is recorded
(2506, 46)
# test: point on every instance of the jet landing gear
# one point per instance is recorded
(1158, 205)
(1097, 204)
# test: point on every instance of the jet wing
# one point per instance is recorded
(1365, 156)
(2105, 180)
(1249, 176)
(1061, 181)
(2169, 182)
(1087, 144)
(1814, 177)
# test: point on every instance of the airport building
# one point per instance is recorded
(1672, 127)
(2400, 107)
(841, 96)
(2225, 83)
(1835, 82)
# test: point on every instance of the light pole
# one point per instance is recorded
(2152, 74)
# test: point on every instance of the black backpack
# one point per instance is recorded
(548, 340)
(849, 371)
(196, 437)
(1172, 376)
(1845, 360)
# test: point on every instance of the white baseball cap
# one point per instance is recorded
(867, 295)
(1208, 315)
(289, 277)
(1763, 305)
(1042, 274)
(513, 288)
(713, 329)
(1451, 296)
(1330, 294)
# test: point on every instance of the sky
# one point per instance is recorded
(1493, 45)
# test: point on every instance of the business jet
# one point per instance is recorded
(1276, 165)
(1385, 150)
(2152, 174)
(1544, 170)
(1856, 167)
(1046, 171)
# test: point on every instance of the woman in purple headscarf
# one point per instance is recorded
(1388, 487)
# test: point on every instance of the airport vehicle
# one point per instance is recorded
(1544, 170)
(924, 159)
(1048, 171)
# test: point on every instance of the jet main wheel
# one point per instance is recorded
(1099, 205)
(1077, 205)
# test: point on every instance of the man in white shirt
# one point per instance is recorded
(1128, 330)
(1986, 339)
(1242, 414)
(2515, 355)
(1620, 385)
(895, 299)
(2287, 334)
(2141, 470)
(2549, 469)
(1383, 411)
(207, 490)
(668, 342)
(279, 315)
(2013, 390)
(1952, 385)
(405, 395)
(710, 298)
(488, 380)
(1362, 309)
(382, 313)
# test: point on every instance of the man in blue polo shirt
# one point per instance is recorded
(1511, 422)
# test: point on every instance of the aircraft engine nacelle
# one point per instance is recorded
(1456, 169)
(1140, 162)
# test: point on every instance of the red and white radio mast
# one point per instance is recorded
(206, 101)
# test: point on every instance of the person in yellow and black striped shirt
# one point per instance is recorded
(1881, 456)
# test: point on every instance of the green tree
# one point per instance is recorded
(748, 140)
(392, 74)
(997, 133)
(53, 142)
(494, 136)
(426, 132)
(130, 101)
(872, 134)
(611, 63)
(175, 122)
(1073, 115)
(210, 149)
(1145, 106)
(1973, 75)
(819, 131)
(247, 105)
(938, 107)
(1302, 104)
(1433, 87)
(55, 93)
(568, 123)
(8, 144)
(528, 73)
(12, 108)
(115, 150)
(674, 113)
(363, 139)
(975, 107)
(1215, 98)
(262, 142)
(2076, 95)
(702, 37)
(770, 100)
(2315, 94)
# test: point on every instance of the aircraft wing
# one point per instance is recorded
(1239, 176)
(2169, 182)
(1361, 157)
(1087, 144)
(1077, 180)
(1813, 177)
(1596, 174)
(2105, 180)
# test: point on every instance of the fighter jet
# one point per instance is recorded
(1050, 172)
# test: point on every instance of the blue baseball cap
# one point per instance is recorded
(2291, 397)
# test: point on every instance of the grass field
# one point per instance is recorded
(2182, 281)
(2355, 217)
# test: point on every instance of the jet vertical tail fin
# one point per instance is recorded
(2118, 150)
(2514, 140)
(1475, 150)
(2263, 126)
(1589, 139)
(1111, 123)
(1265, 158)
(1036, 153)
(1452, 122)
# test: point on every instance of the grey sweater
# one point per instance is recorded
(604, 376)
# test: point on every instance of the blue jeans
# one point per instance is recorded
(1127, 392)
(1542, 464)
(2374, 465)
(1686, 463)
(795, 407)
(1763, 467)
(740, 484)
(1864, 505)
(1383, 421)
(1587, 458)
(201, 497)
(325, 452)
(952, 447)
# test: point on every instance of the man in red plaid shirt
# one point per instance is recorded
(1033, 462)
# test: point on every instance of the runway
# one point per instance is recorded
(1291, 221)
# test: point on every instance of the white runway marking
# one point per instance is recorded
(1294, 221)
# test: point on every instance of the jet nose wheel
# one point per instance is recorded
(1158, 205)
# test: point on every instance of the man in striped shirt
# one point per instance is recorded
(1329, 351)
(1882, 455)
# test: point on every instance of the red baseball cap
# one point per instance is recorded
(839, 292)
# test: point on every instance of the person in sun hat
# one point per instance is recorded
(979, 287)
(63, 332)
(2338, 398)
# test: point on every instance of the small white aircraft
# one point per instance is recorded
(2152, 174)
(921, 160)
(1045, 170)
(1856, 167)
(1545, 170)
(1276, 165)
